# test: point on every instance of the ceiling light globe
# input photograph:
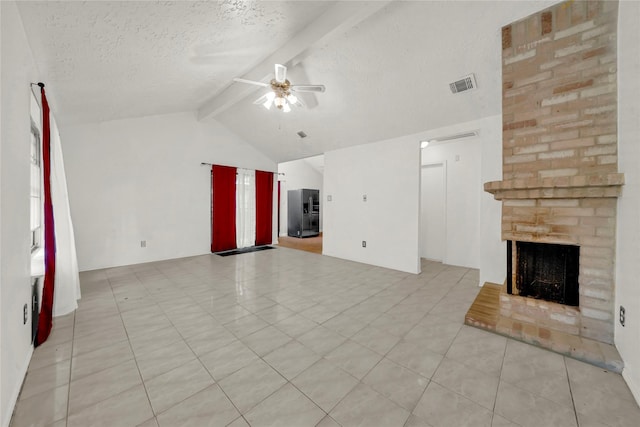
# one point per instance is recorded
(280, 102)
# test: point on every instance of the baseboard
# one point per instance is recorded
(633, 386)
(6, 418)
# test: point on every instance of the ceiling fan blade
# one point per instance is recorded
(261, 100)
(251, 82)
(281, 73)
(265, 100)
(295, 100)
(308, 88)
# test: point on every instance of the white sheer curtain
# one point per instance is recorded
(245, 208)
(67, 281)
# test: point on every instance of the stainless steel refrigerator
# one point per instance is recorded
(303, 213)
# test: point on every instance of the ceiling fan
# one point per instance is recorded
(281, 90)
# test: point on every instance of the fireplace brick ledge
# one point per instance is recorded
(560, 187)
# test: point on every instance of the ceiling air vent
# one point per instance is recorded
(301, 134)
(464, 84)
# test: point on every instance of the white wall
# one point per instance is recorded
(1, 282)
(140, 179)
(388, 172)
(2, 403)
(493, 250)
(17, 70)
(628, 223)
(472, 216)
(298, 174)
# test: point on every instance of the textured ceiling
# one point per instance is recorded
(104, 60)
(386, 69)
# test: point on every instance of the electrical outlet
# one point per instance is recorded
(143, 243)
(622, 315)
(364, 197)
(364, 243)
(329, 198)
(25, 314)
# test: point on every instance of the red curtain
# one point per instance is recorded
(223, 209)
(45, 321)
(264, 208)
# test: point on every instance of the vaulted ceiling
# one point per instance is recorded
(386, 65)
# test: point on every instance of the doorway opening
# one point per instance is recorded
(433, 212)
(301, 206)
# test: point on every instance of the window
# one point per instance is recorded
(245, 208)
(36, 188)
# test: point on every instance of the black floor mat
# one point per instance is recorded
(244, 250)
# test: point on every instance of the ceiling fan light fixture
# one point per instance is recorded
(281, 89)
(269, 101)
(279, 101)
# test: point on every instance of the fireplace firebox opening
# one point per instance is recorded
(544, 271)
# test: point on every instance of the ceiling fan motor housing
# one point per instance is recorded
(281, 89)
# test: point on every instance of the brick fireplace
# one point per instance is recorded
(560, 176)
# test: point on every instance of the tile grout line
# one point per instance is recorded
(573, 402)
(445, 353)
(495, 401)
(135, 359)
(73, 340)
(177, 367)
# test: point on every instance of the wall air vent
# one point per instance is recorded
(466, 83)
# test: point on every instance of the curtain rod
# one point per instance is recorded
(211, 164)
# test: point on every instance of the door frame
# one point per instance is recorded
(423, 166)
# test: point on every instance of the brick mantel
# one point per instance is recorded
(562, 187)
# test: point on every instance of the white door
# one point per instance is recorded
(432, 212)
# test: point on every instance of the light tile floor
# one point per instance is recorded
(288, 338)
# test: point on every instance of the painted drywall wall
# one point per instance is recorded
(628, 223)
(2, 404)
(493, 250)
(1, 346)
(472, 216)
(18, 70)
(388, 173)
(298, 174)
(140, 179)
